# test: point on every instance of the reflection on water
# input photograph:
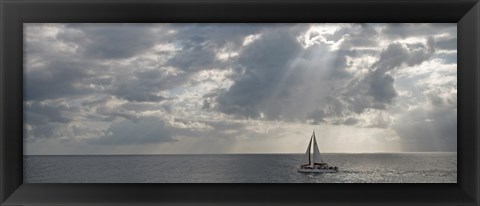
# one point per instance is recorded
(245, 168)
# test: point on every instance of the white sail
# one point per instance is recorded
(315, 164)
(317, 158)
(306, 159)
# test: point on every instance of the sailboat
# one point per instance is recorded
(315, 163)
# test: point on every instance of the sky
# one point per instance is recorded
(239, 88)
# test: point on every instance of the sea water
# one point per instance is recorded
(240, 168)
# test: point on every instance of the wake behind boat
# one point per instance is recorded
(317, 165)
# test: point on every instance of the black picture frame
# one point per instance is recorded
(466, 13)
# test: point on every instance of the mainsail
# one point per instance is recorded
(306, 161)
(314, 163)
(317, 158)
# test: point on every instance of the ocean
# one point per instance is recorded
(240, 168)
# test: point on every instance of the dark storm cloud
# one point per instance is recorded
(200, 43)
(47, 119)
(447, 44)
(337, 68)
(334, 107)
(85, 73)
(218, 35)
(132, 92)
(266, 63)
(110, 41)
(144, 131)
(57, 79)
(397, 55)
(38, 113)
(405, 30)
(447, 58)
(376, 89)
(207, 105)
(381, 87)
(193, 58)
(144, 86)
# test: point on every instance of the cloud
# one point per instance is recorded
(57, 79)
(447, 44)
(356, 36)
(199, 44)
(109, 41)
(34, 132)
(398, 54)
(184, 85)
(278, 73)
(409, 30)
(44, 112)
(193, 58)
(265, 65)
(144, 131)
(376, 89)
(274, 73)
(350, 121)
(141, 89)
(43, 119)
(317, 116)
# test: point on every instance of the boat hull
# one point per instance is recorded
(317, 170)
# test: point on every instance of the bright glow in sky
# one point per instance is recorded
(239, 88)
